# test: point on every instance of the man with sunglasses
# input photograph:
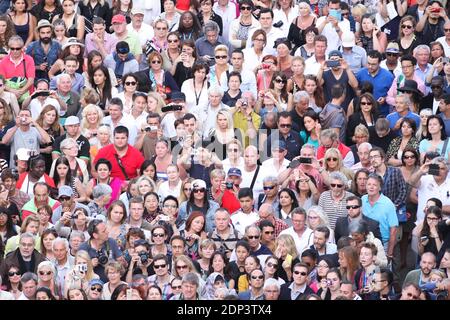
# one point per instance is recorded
(285, 133)
(162, 277)
(68, 205)
(445, 39)
(382, 285)
(119, 25)
(253, 234)
(392, 63)
(95, 289)
(298, 288)
(256, 291)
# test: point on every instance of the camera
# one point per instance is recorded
(229, 185)
(435, 10)
(294, 164)
(151, 128)
(433, 169)
(305, 160)
(144, 257)
(172, 107)
(81, 268)
(333, 63)
(102, 257)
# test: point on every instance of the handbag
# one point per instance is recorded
(19, 83)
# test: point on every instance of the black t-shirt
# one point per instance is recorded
(330, 80)
(83, 146)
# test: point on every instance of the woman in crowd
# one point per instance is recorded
(116, 223)
(251, 263)
(298, 27)
(186, 190)
(154, 292)
(46, 272)
(82, 272)
(253, 55)
(92, 8)
(221, 65)
(60, 31)
(154, 103)
(24, 22)
(63, 177)
(101, 82)
(47, 238)
(234, 93)
(284, 58)
(49, 121)
(73, 21)
(95, 60)
(130, 84)
(237, 267)
(287, 255)
(333, 163)
(430, 239)
(324, 264)
(206, 248)
(189, 26)
(399, 144)
(45, 10)
(316, 217)
(173, 51)
(315, 92)
(170, 15)
(219, 264)
(159, 238)
(7, 228)
(360, 136)
(286, 11)
(241, 27)
(196, 88)
(12, 283)
(183, 265)
(422, 131)
(364, 113)
(71, 47)
(122, 7)
(359, 182)
(162, 159)
(30, 224)
(283, 97)
(330, 289)
(6, 122)
(306, 50)
(265, 72)
(201, 165)
(371, 37)
(44, 293)
(234, 156)
(92, 118)
(348, 263)
(9, 98)
(145, 185)
(437, 51)
(114, 271)
(360, 234)
(297, 81)
(103, 169)
(148, 169)
(313, 128)
(78, 167)
(35, 173)
(151, 206)
(287, 202)
(194, 233)
(435, 138)
(76, 222)
(207, 14)
(270, 269)
(182, 66)
(407, 38)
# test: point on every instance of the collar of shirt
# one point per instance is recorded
(299, 290)
(16, 64)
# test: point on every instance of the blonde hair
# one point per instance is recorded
(27, 221)
(158, 99)
(47, 264)
(221, 47)
(359, 10)
(298, 58)
(333, 152)
(86, 110)
(289, 243)
(85, 256)
(188, 262)
(115, 266)
(361, 130)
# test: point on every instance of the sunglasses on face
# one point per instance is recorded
(280, 81)
(199, 190)
(161, 235)
(95, 288)
(243, 8)
(409, 157)
(410, 295)
(182, 267)
(446, 30)
(130, 83)
(64, 198)
(335, 185)
(253, 237)
(176, 287)
(285, 125)
(366, 103)
(268, 187)
(269, 232)
(43, 273)
(15, 49)
(257, 277)
(302, 273)
(172, 41)
(332, 159)
(406, 26)
(159, 266)
(221, 57)
(156, 62)
(272, 265)
(392, 54)
(13, 273)
(352, 207)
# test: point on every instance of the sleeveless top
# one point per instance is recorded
(23, 29)
(72, 30)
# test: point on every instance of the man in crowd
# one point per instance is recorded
(41, 198)
(286, 134)
(118, 118)
(99, 39)
(299, 285)
(72, 126)
(224, 234)
(299, 230)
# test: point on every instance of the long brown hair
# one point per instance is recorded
(7, 117)
(318, 93)
(352, 256)
(56, 127)
(9, 32)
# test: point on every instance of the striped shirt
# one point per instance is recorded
(333, 209)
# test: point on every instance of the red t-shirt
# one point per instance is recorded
(9, 70)
(131, 161)
(229, 201)
(183, 5)
(343, 149)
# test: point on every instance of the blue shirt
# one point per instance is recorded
(381, 82)
(384, 212)
(37, 52)
(77, 83)
(394, 116)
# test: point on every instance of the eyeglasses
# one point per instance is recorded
(233, 150)
(285, 125)
(15, 49)
(257, 277)
(409, 294)
(182, 267)
(335, 185)
(176, 287)
(43, 273)
(95, 288)
(332, 159)
(446, 30)
(161, 28)
(130, 83)
(253, 237)
(406, 26)
(272, 265)
(170, 206)
(221, 57)
(243, 8)
(172, 41)
(268, 187)
(280, 81)
(366, 103)
(199, 190)
(13, 273)
(352, 207)
(64, 198)
(159, 266)
(409, 157)
(156, 62)
(269, 232)
(300, 273)
(160, 235)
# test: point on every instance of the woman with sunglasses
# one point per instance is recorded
(185, 190)
(283, 97)
(399, 144)
(183, 265)
(241, 27)
(159, 237)
(81, 274)
(12, 282)
(333, 163)
(407, 39)
(47, 277)
(365, 112)
(172, 54)
(130, 84)
(271, 269)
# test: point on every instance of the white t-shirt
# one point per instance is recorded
(334, 41)
(36, 107)
(242, 220)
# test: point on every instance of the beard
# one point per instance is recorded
(46, 40)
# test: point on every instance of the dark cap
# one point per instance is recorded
(122, 47)
(437, 1)
(235, 172)
(177, 95)
(282, 41)
(335, 53)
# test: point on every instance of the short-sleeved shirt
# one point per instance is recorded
(83, 146)
(24, 139)
(395, 116)
(381, 82)
(131, 161)
(133, 42)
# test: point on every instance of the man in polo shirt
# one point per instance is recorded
(380, 78)
(402, 108)
(286, 134)
(119, 25)
(125, 159)
(72, 125)
(99, 39)
(41, 198)
(355, 56)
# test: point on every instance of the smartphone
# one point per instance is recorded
(333, 63)
(129, 294)
(81, 268)
(294, 164)
(288, 258)
(229, 185)
(433, 169)
(305, 160)
(163, 217)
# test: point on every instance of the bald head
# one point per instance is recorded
(266, 211)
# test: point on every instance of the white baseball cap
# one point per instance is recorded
(348, 39)
(23, 154)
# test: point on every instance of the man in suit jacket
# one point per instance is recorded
(256, 284)
(299, 286)
(354, 205)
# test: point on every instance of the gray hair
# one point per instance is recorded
(215, 89)
(358, 226)
(421, 47)
(329, 134)
(270, 209)
(191, 278)
(27, 276)
(145, 178)
(62, 76)
(252, 226)
(67, 143)
(16, 38)
(438, 160)
(339, 176)
(77, 233)
(60, 240)
(365, 145)
(272, 179)
(406, 98)
(301, 95)
(210, 26)
(308, 146)
(47, 264)
(271, 282)
(319, 211)
(100, 190)
(27, 235)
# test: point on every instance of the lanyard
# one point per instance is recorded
(197, 97)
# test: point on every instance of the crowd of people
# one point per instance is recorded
(211, 150)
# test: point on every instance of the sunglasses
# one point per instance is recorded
(280, 81)
(95, 288)
(253, 237)
(285, 125)
(257, 277)
(13, 273)
(199, 190)
(335, 185)
(406, 26)
(269, 232)
(159, 266)
(409, 157)
(130, 83)
(43, 273)
(272, 265)
(243, 8)
(268, 187)
(221, 57)
(176, 287)
(15, 49)
(332, 159)
(446, 30)
(172, 41)
(366, 103)
(392, 54)
(161, 235)
(352, 207)
(156, 62)
(302, 273)
(161, 28)
(182, 267)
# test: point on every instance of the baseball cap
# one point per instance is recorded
(23, 154)
(118, 18)
(235, 172)
(137, 11)
(72, 120)
(392, 47)
(335, 53)
(96, 281)
(280, 144)
(122, 47)
(65, 191)
(433, 1)
(348, 39)
(198, 184)
(177, 95)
